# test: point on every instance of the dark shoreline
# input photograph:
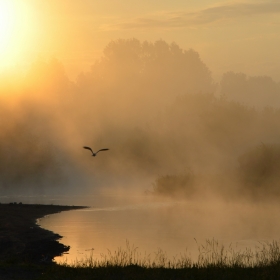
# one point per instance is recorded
(23, 240)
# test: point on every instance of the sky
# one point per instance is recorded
(239, 36)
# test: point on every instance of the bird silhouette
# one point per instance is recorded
(93, 153)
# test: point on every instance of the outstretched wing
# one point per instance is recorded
(102, 150)
(88, 148)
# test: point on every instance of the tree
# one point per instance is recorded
(133, 75)
(258, 91)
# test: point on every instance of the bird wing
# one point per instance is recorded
(102, 150)
(88, 148)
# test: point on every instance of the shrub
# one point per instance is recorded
(175, 185)
(260, 166)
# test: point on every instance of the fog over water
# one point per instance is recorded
(174, 226)
(209, 148)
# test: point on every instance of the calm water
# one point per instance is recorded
(150, 224)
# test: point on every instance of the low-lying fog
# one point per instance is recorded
(172, 132)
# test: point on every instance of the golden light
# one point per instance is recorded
(6, 23)
(15, 31)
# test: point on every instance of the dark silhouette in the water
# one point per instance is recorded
(94, 154)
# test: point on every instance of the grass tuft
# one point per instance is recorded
(215, 261)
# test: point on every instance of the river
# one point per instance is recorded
(176, 227)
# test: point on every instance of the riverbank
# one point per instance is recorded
(27, 250)
(23, 241)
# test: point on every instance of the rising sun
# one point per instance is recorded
(13, 29)
(7, 24)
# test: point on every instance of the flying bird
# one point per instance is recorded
(93, 153)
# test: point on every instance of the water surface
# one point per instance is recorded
(147, 223)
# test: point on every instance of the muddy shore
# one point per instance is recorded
(22, 240)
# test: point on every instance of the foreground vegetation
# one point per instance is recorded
(214, 261)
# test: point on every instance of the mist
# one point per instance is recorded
(171, 129)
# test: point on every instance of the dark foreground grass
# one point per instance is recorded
(162, 273)
(30, 272)
(214, 262)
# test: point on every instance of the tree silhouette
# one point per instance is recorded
(157, 63)
(133, 75)
(258, 91)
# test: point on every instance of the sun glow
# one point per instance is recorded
(15, 31)
(6, 23)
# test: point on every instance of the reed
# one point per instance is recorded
(211, 254)
(214, 261)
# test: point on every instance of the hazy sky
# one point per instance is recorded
(243, 36)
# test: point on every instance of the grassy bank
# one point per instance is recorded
(26, 249)
(215, 261)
